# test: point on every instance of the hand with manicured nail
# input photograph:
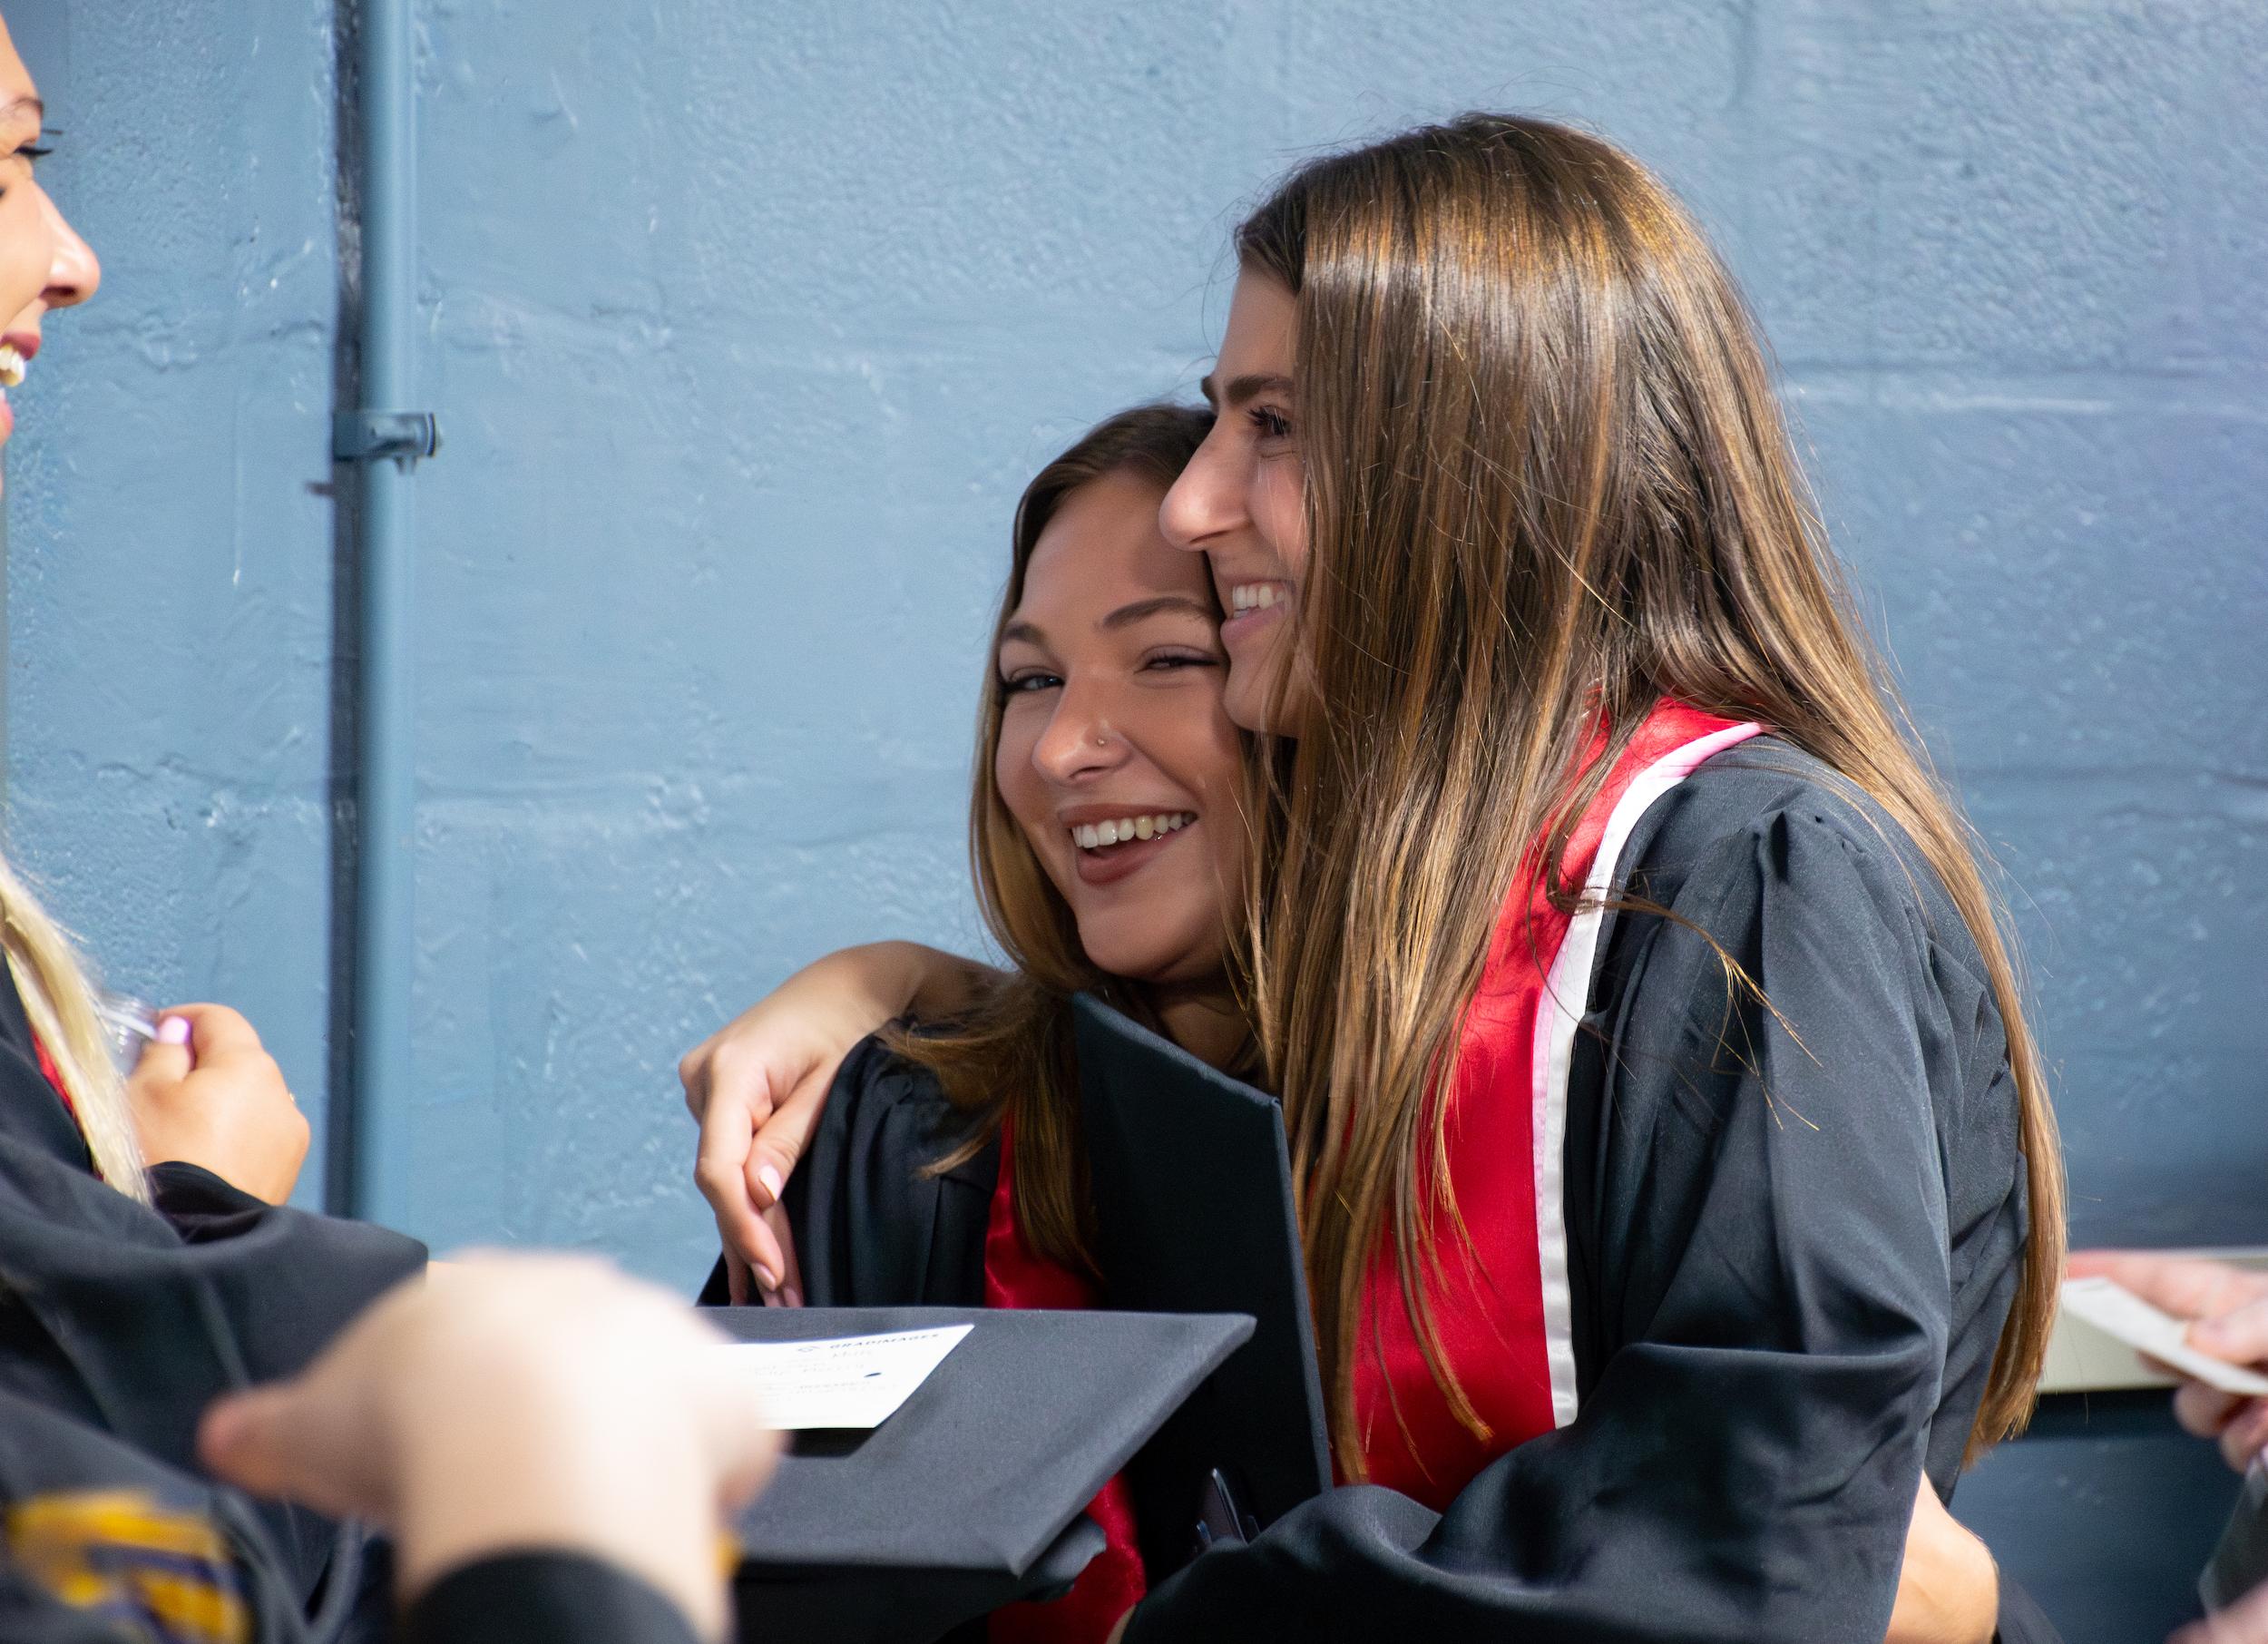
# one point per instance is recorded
(757, 1085)
(787, 1292)
(512, 1403)
(207, 1093)
(2230, 1306)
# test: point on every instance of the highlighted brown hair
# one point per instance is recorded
(1547, 481)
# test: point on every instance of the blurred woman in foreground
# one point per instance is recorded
(146, 1261)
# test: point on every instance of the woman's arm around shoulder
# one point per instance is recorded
(757, 1085)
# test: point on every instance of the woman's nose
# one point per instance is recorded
(75, 272)
(1205, 502)
(1078, 741)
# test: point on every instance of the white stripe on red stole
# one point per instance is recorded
(1566, 996)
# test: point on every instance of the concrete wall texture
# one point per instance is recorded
(746, 324)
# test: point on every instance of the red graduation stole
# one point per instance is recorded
(1113, 1582)
(1501, 1302)
(1500, 1298)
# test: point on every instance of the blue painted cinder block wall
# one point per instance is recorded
(746, 324)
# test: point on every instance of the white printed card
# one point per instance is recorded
(850, 1381)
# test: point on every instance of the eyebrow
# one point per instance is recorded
(1242, 388)
(1125, 616)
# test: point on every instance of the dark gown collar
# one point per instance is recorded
(30, 1110)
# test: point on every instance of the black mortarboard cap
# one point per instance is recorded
(1194, 1214)
(971, 1495)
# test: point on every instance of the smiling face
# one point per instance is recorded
(1242, 502)
(1115, 755)
(43, 264)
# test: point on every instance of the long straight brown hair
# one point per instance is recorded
(1012, 1055)
(1547, 484)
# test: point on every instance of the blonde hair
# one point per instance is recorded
(1547, 484)
(59, 1002)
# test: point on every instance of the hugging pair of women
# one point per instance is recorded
(1461, 731)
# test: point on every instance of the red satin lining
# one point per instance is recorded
(1113, 1584)
(54, 1076)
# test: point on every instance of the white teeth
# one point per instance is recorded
(1254, 596)
(12, 366)
(1095, 835)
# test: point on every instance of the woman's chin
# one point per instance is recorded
(1154, 959)
(1255, 700)
(1137, 966)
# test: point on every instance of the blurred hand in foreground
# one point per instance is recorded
(512, 1402)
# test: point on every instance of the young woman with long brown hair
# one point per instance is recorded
(1679, 1188)
(1102, 705)
(1107, 847)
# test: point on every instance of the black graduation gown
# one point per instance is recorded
(1791, 1264)
(554, 1598)
(128, 1319)
(45, 1454)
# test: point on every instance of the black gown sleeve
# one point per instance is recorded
(543, 1597)
(112, 1314)
(876, 1225)
(1759, 1223)
(525, 1597)
(268, 1285)
(287, 1280)
(131, 1317)
(182, 1545)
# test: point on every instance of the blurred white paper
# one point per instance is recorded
(848, 1380)
(2118, 1312)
